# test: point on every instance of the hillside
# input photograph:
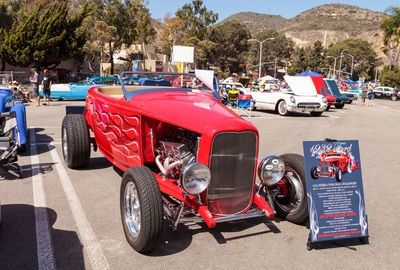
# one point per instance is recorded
(329, 23)
(257, 22)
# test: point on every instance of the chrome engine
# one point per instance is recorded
(172, 158)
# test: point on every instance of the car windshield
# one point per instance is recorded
(162, 81)
(333, 155)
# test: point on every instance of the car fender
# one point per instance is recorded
(20, 111)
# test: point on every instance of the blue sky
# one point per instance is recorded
(285, 8)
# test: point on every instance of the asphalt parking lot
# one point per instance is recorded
(70, 219)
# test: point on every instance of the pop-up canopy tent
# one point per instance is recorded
(309, 73)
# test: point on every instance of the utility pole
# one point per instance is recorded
(261, 43)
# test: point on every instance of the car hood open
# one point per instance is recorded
(301, 86)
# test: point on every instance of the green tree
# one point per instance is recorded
(279, 48)
(365, 57)
(316, 60)
(173, 33)
(8, 17)
(230, 45)
(46, 39)
(391, 27)
(129, 18)
(302, 61)
(197, 18)
(390, 78)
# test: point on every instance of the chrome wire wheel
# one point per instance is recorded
(65, 143)
(296, 191)
(132, 209)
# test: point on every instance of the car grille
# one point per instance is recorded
(232, 165)
(324, 167)
(308, 105)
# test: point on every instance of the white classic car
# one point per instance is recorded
(300, 96)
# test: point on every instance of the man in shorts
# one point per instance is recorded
(34, 80)
(46, 84)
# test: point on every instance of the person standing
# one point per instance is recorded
(34, 80)
(370, 95)
(46, 84)
(363, 94)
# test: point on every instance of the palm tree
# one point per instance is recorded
(391, 26)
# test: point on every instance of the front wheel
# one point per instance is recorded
(314, 173)
(328, 107)
(338, 175)
(350, 101)
(141, 208)
(339, 106)
(293, 206)
(394, 97)
(282, 108)
(75, 141)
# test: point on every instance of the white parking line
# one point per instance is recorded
(92, 246)
(43, 239)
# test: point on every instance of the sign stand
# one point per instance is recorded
(335, 192)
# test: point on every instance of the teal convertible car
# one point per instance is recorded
(79, 90)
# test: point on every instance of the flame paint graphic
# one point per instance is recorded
(362, 214)
(314, 226)
(121, 131)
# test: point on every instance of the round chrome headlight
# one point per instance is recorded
(195, 178)
(324, 100)
(292, 99)
(271, 170)
(330, 169)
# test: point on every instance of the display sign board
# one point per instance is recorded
(334, 190)
(182, 54)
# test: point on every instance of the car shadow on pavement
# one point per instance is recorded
(96, 163)
(172, 242)
(28, 171)
(18, 245)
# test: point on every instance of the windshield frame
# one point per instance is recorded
(129, 94)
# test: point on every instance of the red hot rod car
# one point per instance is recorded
(185, 157)
(334, 163)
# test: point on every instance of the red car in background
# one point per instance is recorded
(334, 163)
(321, 90)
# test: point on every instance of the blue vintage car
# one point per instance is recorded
(8, 103)
(79, 90)
(333, 89)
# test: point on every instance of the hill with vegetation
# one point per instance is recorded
(329, 23)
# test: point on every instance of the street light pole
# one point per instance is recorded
(261, 43)
(352, 64)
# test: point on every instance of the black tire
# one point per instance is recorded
(299, 215)
(75, 141)
(394, 97)
(328, 107)
(314, 173)
(282, 108)
(350, 101)
(151, 208)
(339, 106)
(338, 175)
(316, 114)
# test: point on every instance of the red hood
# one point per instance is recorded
(320, 86)
(193, 111)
